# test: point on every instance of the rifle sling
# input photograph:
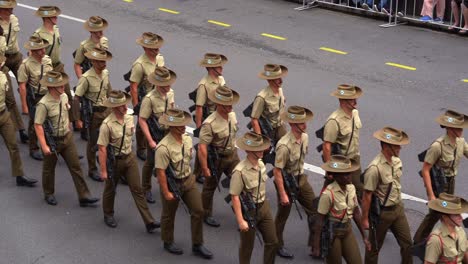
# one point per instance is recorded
(350, 138)
(122, 141)
(52, 46)
(9, 35)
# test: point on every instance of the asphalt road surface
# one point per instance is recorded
(33, 232)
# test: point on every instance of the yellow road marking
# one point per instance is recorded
(273, 36)
(169, 11)
(218, 23)
(465, 80)
(400, 66)
(128, 1)
(333, 50)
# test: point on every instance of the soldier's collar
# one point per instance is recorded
(448, 142)
(336, 187)
(343, 113)
(444, 231)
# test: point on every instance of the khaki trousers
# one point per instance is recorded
(7, 131)
(127, 167)
(33, 143)
(10, 102)
(91, 146)
(141, 142)
(148, 168)
(13, 62)
(344, 246)
(74, 111)
(191, 197)
(395, 220)
(67, 149)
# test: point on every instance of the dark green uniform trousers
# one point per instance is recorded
(344, 246)
(7, 130)
(13, 62)
(141, 142)
(33, 143)
(10, 102)
(91, 146)
(148, 168)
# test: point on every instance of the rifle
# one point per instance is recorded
(291, 186)
(48, 132)
(141, 92)
(86, 113)
(212, 160)
(155, 129)
(438, 179)
(85, 65)
(31, 100)
(374, 219)
(335, 147)
(110, 163)
(326, 237)
(206, 110)
(247, 205)
(174, 188)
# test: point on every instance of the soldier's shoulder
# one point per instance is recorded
(47, 60)
(263, 93)
(210, 119)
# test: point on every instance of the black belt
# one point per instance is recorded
(389, 208)
(60, 138)
(179, 180)
(99, 109)
(122, 156)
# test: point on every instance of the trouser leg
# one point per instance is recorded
(401, 231)
(192, 199)
(247, 240)
(32, 136)
(450, 186)
(140, 139)
(266, 226)
(169, 209)
(91, 146)
(48, 173)
(335, 253)
(147, 171)
(282, 215)
(13, 62)
(306, 198)
(10, 102)
(7, 131)
(426, 226)
(386, 220)
(350, 248)
(108, 196)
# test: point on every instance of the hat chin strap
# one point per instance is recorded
(450, 217)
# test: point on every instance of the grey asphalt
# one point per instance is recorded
(33, 232)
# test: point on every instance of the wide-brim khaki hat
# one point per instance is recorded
(224, 95)
(273, 71)
(36, 43)
(98, 54)
(48, 11)
(117, 98)
(340, 164)
(392, 136)
(162, 76)
(7, 4)
(449, 204)
(252, 141)
(150, 40)
(296, 114)
(54, 79)
(175, 117)
(453, 119)
(95, 23)
(346, 91)
(211, 60)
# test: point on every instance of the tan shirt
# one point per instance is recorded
(3, 46)
(12, 45)
(112, 132)
(154, 103)
(30, 72)
(56, 111)
(52, 52)
(215, 131)
(447, 155)
(169, 151)
(338, 204)
(245, 177)
(142, 68)
(290, 153)
(450, 251)
(87, 45)
(205, 86)
(269, 105)
(3, 90)
(380, 174)
(338, 129)
(89, 86)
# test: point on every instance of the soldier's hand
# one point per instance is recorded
(169, 196)
(104, 175)
(152, 144)
(365, 223)
(367, 244)
(284, 199)
(206, 172)
(46, 151)
(244, 226)
(24, 109)
(316, 251)
(432, 197)
(78, 124)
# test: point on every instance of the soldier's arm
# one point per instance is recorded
(144, 127)
(78, 71)
(162, 179)
(134, 93)
(317, 233)
(40, 136)
(198, 115)
(102, 154)
(366, 201)
(357, 217)
(330, 135)
(206, 137)
(326, 152)
(22, 92)
(280, 162)
(162, 161)
(236, 206)
(465, 257)
(427, 180)
(465, 150)
(257, 110)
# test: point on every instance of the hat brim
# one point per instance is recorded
(284, 72)
(286, 118)
(354, 96)
(45, 83)
(57, 13)
(435, 205)
(10, 5)
(91, 29)
(152, 79)
(158, 44)
(223, 61)
(379, 135)
(88, 54)
(264, 146)
(128, 99)
(354, 167)
(441, 120)
(187, 120)
(214, 99)
(43, 46)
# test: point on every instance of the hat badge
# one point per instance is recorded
(292, 116)
(94, 53)
(248, 142)
(171, 119)
(335, 165)
(218, 96)
(50, 79)
(341, 92)
(146, 41)
(267, 73)
(388, 136)
(444, 203)
(45, 12)
(450, 120)
(210, 61)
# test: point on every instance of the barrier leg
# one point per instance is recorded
(307, 4)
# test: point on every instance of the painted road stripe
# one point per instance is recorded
(273, 36)
(128, 1)
(401, 66)
(218, 23)
(169, 11)
(333, 50)
(465, 80)
(64, 16)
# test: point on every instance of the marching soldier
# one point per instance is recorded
(338, 202)
(53, 109)
(154, 104)
(139, 84)
(29, 75)
(249, 180)
(445, 153)
(291, 150)
(173, 154)
(382, 178)
(116, 132)
(218, 132)
(7, 130)
(94, 85)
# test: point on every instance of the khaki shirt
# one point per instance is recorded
(3, 90)
(179, 155)
(380, 174)
(338, 129)
(215, 131)
(87, 45)
(56, 111)
(89, 86)
(3, 46)
(450, 251)
(12, 45)
(269, 105)
(446, 155)
(205, 86)
(30, 72)
(245, 177)
(289, 154)
(112, 132)
(142, 68)
(155, 103)
(54, 53)
(338, 204)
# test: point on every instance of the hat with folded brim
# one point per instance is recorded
(175, 117)
(162, 76)
(273, 71)
(346, 91)
(449, 204)
(7, 4)
(296, 115)
(48, 11)
(340, 164)
(34, 44)
(95, 23)
(453, 119)
(54, 79)
(150, 40)
(223, 95)
(252, 141)
(117, 98)
(392, 136)
(211, 60)
(98, 54)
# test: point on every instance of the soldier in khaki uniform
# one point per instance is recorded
(446, 153)
(291, 150)
(155, 103)
(29, 74)
(342, 130)
(218, 131)
(339, 203)
(95, 86)
(7, 131)
(175, 151)
(53, 108)
(382, 178)
(117, 131)
(447, 243)
(10, 24)
(249, 177)
(141, 69)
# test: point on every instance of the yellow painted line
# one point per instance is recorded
(273, 36)
(333, 50)
(169, 11)
(465, 80)
(218, 23)
(401, 66)
(128, 1)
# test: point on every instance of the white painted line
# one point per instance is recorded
(64, 16)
